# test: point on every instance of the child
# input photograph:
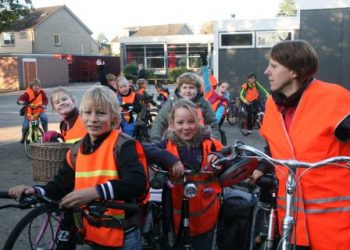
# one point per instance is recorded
(130, 103)
(188, 147)
(36, 99)
(218, 100)
(163, 93)
(100, 172)
(189, 87)
(71, 126)
(142, 90)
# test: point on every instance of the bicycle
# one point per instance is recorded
(257, 118)
(42, 227)
(289, 221)
(34, 132)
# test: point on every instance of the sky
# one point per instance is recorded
(111, 16)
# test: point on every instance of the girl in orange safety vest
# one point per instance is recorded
(100, 172)
(189, 146)
(71, 126)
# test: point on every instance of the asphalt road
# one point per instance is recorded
(16, 168)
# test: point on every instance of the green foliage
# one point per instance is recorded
(101, 39)
(130, 70)
(13, 10)
(174, 73)
(150, 74)
(287, 8)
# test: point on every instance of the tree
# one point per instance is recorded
(13, 10)
(287, 8)
(101, 39)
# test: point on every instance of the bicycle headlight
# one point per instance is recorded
(190, 190)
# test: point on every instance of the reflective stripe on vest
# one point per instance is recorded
(324, 106)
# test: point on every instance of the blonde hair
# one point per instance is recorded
(110, 77)
(63, 90)
(186, 104)
(121, 79)
(35, 82)
(104, 98)
(189, 78)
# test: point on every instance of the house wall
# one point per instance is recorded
(74, 39)
(328, 31)
(22, 44)
(9, 74)
(52, 71)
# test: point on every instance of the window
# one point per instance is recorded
(270, 38)
(194, 51)
(56, 39)
(154, 56)
(23, 34)
(135, 54)
(177, 55)
(237, 40)
(8, 39)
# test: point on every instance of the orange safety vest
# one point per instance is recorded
(128, 99)
(37, 102)
(200, 115)
(252, 94)
(213, 81)
(94, 169)
(141, 91)
(74, 133)
(204, 207)
(164, 93)
(323, 195)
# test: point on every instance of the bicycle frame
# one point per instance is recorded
(291, 184)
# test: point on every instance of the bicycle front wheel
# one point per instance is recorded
(38, 229)
(232, 117)
(33, 135)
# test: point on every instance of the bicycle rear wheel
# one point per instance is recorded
(36, 135)
(36, 230)
(232, 116)
(243, 123)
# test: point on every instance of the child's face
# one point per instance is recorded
(62, 103)
(123, 87)
(222, 89)
(188, 91)
(251, 80)
(36, 88)
(185, 124)
(97, 121)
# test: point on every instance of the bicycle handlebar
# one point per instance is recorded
(290, 163)
(187, 172)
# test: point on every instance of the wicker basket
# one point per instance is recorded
(47, 159)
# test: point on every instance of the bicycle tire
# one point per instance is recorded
(30, 137)
(26, 234)
(242, 124)
(232, 117)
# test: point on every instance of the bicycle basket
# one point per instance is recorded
(47, 159)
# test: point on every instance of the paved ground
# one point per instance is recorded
(16, 168)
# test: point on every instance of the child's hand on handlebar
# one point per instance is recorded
(17, 191)
(177, 169)
(255, 176)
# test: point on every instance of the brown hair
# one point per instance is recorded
(141, 83)
(189, 78)
(183, 103)
(298, 56)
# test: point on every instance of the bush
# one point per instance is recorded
(174, 73)
(149, 74)
(130, 70)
